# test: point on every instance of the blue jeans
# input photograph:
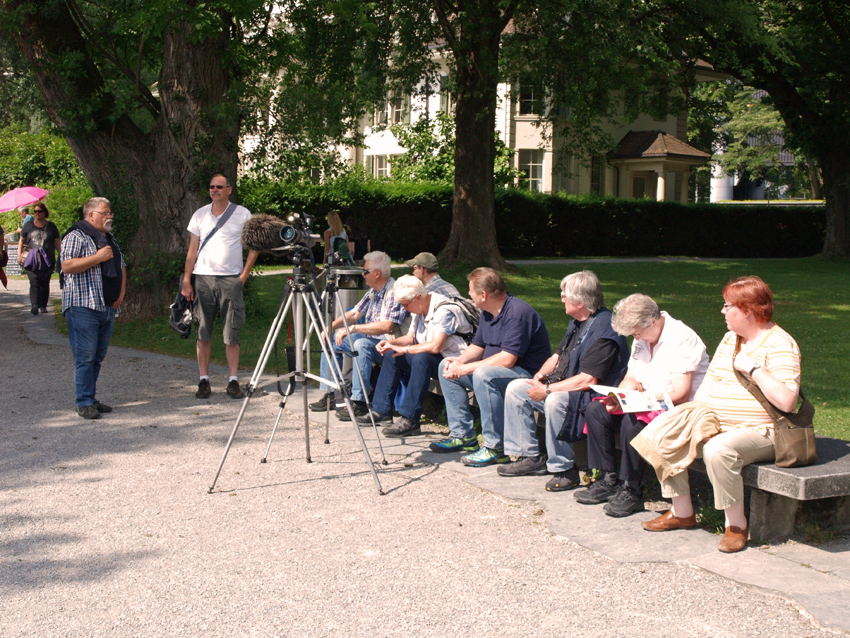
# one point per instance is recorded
(417, 370)
(364, 346)
(489, 384)
(521, 430)
(89, 332)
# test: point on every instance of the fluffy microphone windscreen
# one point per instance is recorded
(262, 232)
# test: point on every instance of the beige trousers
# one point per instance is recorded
(724, 456)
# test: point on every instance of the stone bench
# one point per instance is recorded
(782, 500)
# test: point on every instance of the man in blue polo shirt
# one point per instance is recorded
(511, 343)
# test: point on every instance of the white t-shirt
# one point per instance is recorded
(223, 253)
(448, 319)
(679, 350)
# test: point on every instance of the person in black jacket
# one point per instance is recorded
(590, 353)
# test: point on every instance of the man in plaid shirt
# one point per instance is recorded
(95, 280)
(385, 319)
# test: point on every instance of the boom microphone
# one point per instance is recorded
(262, 232)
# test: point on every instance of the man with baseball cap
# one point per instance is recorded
(425, 267)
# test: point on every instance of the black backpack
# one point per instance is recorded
(470, 313)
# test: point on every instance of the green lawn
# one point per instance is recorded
(812, 298)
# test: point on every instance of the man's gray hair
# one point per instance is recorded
(583, 287)
(633, 313)
(379, 261)
(407, 287)
(93, 203)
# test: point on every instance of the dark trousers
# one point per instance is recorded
(39, 288)
(417, 370)
(601, 450)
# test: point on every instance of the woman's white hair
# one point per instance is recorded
(583, 287)
(407, 287)
(634, 312)
(379, 261)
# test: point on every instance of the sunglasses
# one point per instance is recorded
(39, 210)
(217, 187)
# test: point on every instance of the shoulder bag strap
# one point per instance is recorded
(221, 222)
(771, 409)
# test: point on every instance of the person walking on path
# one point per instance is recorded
(95, 283)
(39, 234)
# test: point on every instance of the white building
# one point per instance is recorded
(651, 159)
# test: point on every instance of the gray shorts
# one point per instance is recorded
(223, 294)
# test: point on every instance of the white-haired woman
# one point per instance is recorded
(435, 333)
(667, 357)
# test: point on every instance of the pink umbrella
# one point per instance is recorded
(23, 196)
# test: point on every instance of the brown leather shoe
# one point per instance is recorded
(667, 522)
(734, 540)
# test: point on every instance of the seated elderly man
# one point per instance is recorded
(590, 353)
(385, 319)
(425, 267)
(435, 332)
(667, 358)
(511, 343)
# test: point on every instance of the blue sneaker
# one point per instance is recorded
(484, 457)
(455, 445)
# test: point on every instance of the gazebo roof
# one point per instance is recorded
(656, 144)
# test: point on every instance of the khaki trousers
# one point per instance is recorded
(724, 456)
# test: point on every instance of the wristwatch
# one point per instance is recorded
(755, 367)
(548, 389)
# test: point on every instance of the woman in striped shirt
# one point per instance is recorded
(769, 356)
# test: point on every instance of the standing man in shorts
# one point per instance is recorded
(219, 276)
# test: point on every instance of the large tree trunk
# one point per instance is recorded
(475, 40)
(155, 179)
(836, 187)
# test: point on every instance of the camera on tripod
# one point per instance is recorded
(298, 231)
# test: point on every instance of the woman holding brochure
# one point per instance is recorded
(668, 360)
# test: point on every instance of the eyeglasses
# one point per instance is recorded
(727, 306)
(218, 187)
(107, 213)
(405, 304)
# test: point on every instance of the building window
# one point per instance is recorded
(399, 110)
(447, 98)
(530, 97)
(377, 165)
(597, 175)
(531, 169)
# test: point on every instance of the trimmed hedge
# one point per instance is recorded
(406, 218)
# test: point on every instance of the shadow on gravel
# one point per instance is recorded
(25, 563)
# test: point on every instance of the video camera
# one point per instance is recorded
(299, 231)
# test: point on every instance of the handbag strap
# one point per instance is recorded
(221, 222)
(771, 409)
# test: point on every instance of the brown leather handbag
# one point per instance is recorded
(793, 432)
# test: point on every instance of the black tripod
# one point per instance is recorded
(306, 304)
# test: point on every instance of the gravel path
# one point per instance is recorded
(107, 529)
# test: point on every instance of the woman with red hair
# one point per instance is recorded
(742, 429)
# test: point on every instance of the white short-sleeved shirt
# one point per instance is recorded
(448, 319)
(223, 253)
(679, 350)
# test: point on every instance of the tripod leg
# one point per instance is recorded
(299, 365)
(258, 372)
(230, 442)
(365, 391)
(274, 429)
(314, 311)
